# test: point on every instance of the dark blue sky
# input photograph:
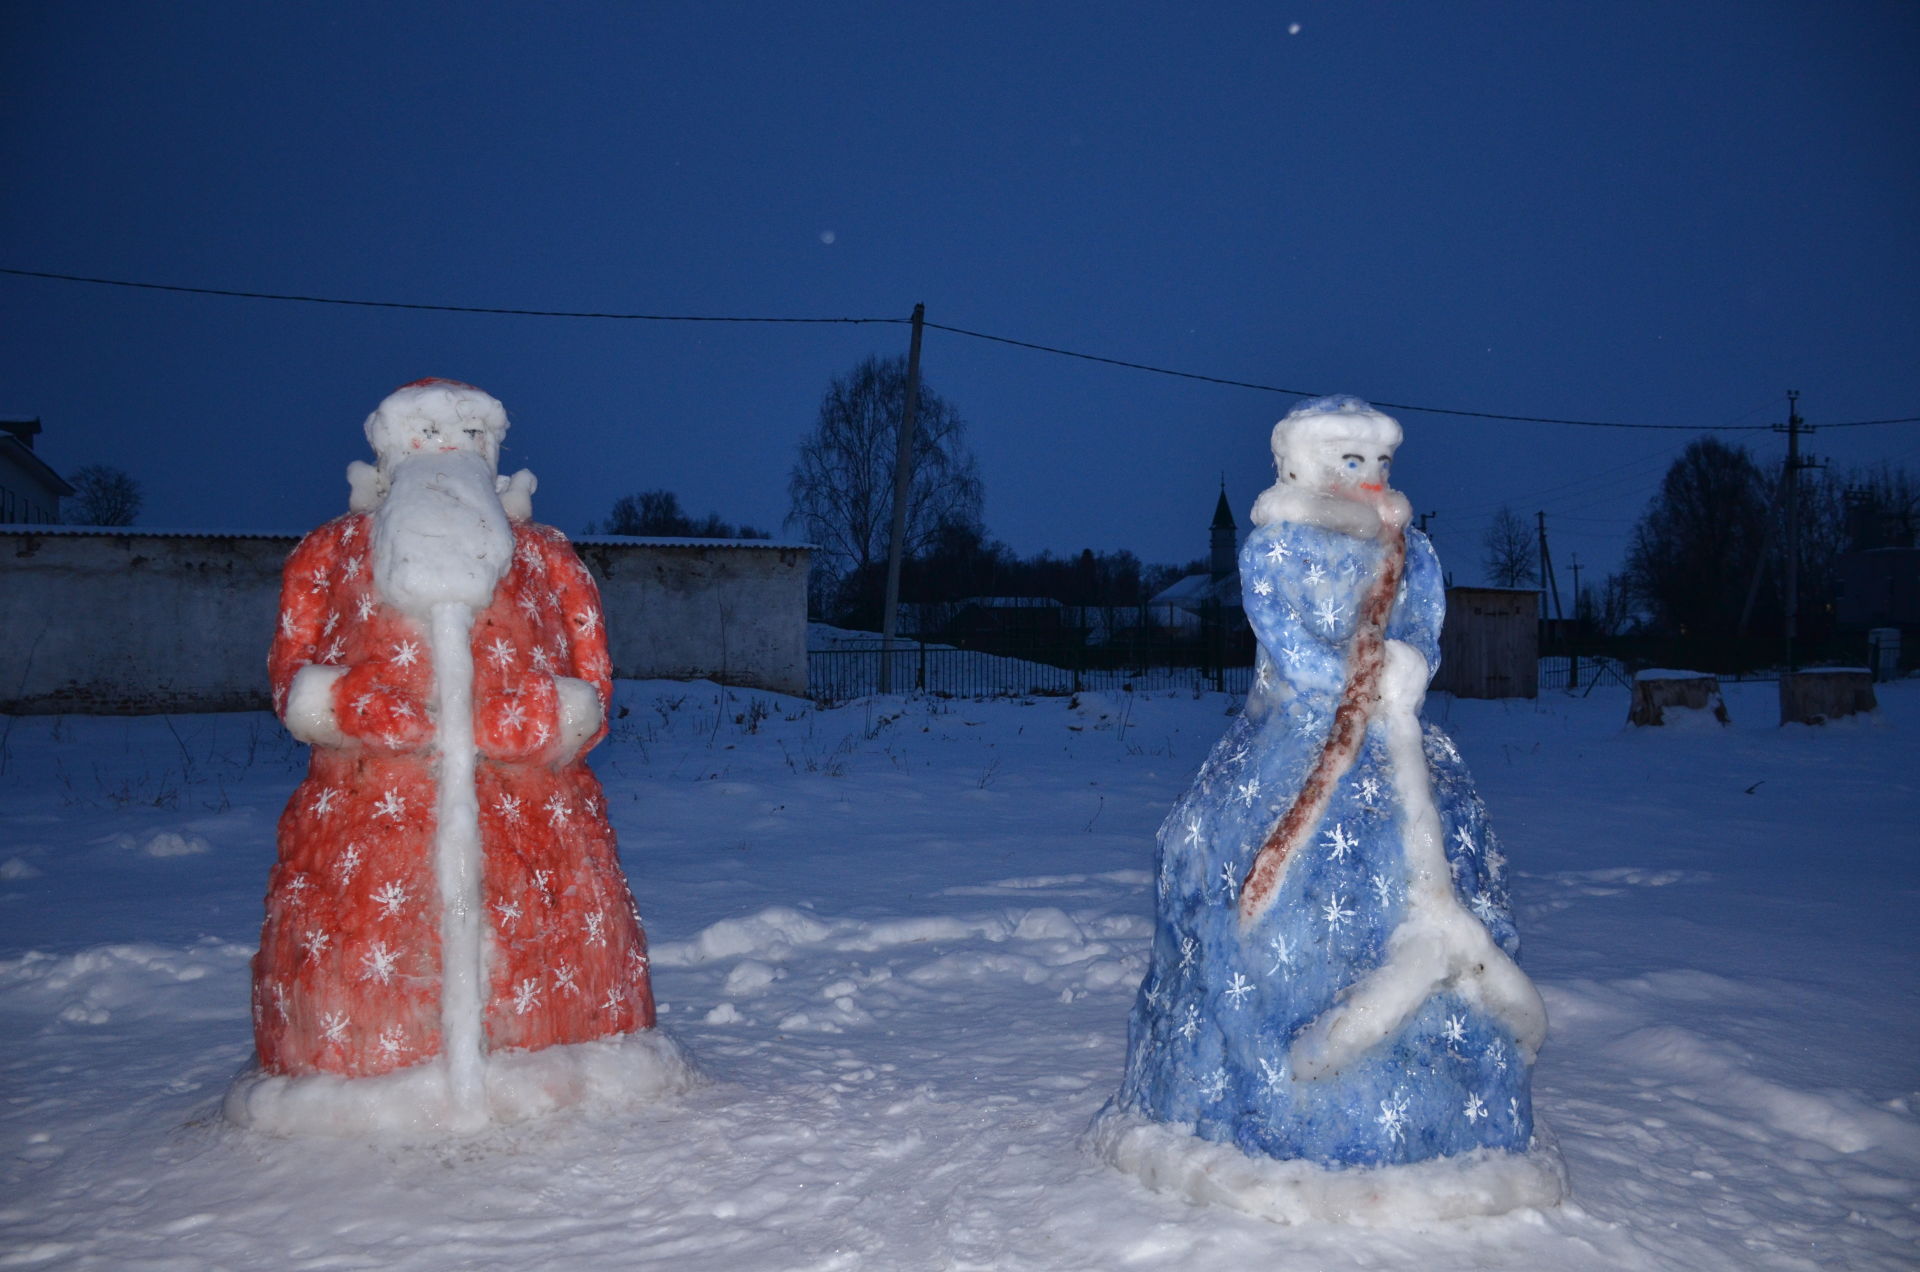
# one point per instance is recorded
(1656, 213)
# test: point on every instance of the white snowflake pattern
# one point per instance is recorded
(527, 555)
(391, 898)
(563, 978)
(514, 717)
(333, 1026)
(391, 805)
(1329, 613)
(280, 1003)
(1156, 998)
(1292, 653)
(323, 802)
(543, 880)
(349, 863)
(1262, 587)
(613, 1001)
(526, 996)
(1236, 992)
(509, 807)
(1247, 791)
(1315, 575)
(336, 650)
(317, 579)
(1214, 1085)
(1340, 842)
(1189, 1023)
(636, 961)
(1382, 888)
(286, 623)
(596, 934)
(348, 531)
(364, 606)
(1277, 552)
(1456, 1030)
(405, 653)
(1475, 1109)
(1496, 861)
(542, 660)
(1445, 746)
(379, 963)
(1393, 1117)
(588, 621)
(542, 735)
(297, 886)
(317, 942)
(507, 911)
(1273, 1076)
(501, 652)
(1188, 948)
(1229, 880)
(1482, 906)
(353, 568)
(390, 1041)
(1465, 840)
(1498, 1054)
(1370, 790)
(1282, 953)
(1193, 829)
(403, 708)
(557, 811)
(529, 606)
(1513, 1108)
(1336, 914)
(333, 621)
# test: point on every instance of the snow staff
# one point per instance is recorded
(1332, 1024)
(447, 901)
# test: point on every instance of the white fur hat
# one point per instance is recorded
(448, 403)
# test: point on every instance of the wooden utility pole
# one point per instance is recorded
(1794, 464)
(1573, 633)
(902, 481)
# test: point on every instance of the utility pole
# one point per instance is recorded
(1573, 633)
(1795, 426)
(1547, 578)
(902, 479)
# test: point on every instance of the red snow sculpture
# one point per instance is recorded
(447, 880)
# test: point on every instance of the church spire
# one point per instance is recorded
(1224, 548)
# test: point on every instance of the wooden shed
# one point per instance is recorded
(1490, 646)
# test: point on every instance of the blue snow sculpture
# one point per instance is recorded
(1332, 979)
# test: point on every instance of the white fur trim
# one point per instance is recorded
(310, 715)
(579, 714)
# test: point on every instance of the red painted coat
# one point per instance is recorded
(347, 980)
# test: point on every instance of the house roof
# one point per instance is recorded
(16, 439)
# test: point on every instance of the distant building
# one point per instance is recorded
(29, 490)
(1188, 604)
(1879, 588)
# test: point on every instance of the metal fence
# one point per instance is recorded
(853, 671)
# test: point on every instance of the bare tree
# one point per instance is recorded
(102, 496)
(658, 512)
(842, 483)
(1694, 550)
(1511, 552)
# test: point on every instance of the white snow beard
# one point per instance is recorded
(441, 534)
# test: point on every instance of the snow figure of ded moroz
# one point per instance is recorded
(449, 938)
(1332, 1024)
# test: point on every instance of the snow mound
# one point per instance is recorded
(1171, 1159)
(413, 1104)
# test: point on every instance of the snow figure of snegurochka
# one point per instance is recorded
(449, 938)
(1332, 1025)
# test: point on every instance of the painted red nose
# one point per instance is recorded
(1375, 486)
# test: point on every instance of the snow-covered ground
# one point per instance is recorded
(901, 939)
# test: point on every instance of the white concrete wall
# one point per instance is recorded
(131, 622)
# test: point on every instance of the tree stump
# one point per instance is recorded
(1656, 693)
(1829, 693)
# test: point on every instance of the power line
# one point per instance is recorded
(958, 331)
(445, 309)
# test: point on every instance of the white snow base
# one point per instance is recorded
(1171, 1159)
(414, 1104)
